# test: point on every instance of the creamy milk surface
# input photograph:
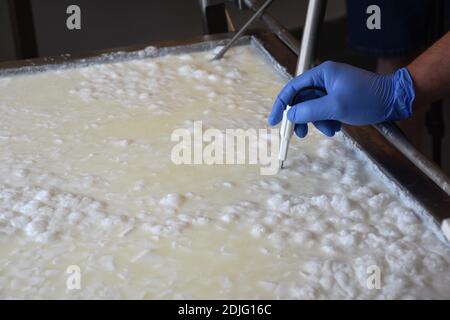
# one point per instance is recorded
(91, 205)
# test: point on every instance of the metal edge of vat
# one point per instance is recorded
(409, 181)
(149, 50)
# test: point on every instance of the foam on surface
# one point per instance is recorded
(87, 180)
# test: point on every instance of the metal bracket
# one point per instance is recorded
(214, 15)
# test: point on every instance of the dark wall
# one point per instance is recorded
(114, 23)
(104, 24)
(6, 41)
(107, 23)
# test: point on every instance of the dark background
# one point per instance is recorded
(115, 23)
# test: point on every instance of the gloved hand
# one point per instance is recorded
(353, 96)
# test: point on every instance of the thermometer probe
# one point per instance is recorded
(314, 18)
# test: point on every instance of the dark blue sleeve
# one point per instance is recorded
(406, 27)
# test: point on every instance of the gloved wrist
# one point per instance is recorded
(404, 95)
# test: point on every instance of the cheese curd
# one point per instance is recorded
(87, 181)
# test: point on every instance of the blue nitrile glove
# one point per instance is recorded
(353, 96)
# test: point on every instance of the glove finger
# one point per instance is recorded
(327, 127)
(301, 130)
(311, 78)
(337, 125)
(312, 110)
(307, 94)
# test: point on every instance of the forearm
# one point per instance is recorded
(431, 73)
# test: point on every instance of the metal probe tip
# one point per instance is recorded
(281, 164)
